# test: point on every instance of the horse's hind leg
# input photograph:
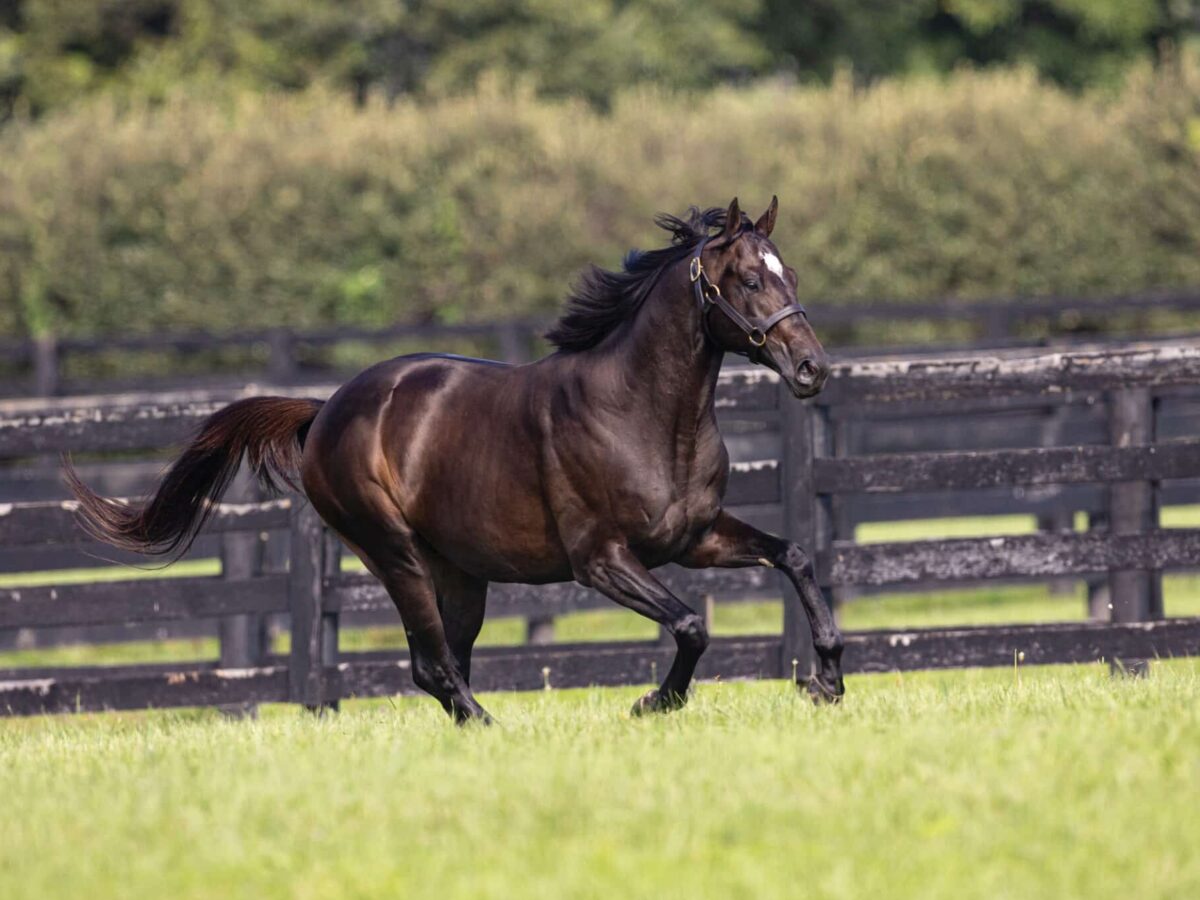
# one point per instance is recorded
(462, 599)
(408, 578)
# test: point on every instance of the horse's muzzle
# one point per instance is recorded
(807, 379)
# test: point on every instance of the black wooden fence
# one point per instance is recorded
(50, 365)
(804, 488)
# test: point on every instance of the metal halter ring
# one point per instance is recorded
(757, 337)
(695, 269)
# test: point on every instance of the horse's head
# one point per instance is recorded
(748, 301)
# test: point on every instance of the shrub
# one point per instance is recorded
(306, 210)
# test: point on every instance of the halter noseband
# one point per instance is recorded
(708, 295)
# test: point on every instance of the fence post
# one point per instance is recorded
(281, 359)
(514, 343)
(306, 573)
(1132, 510)
(539, 630)
(1062, 517)
(997, 323)
(45, 365)
(805, 435)
(330, 621)
(840, 516)
(243, 637)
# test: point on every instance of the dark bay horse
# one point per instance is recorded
(597, 463)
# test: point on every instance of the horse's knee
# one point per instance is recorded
(796, 560)
(691, 633)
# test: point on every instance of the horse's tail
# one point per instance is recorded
(268, 431)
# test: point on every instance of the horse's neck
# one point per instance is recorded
(673, 367)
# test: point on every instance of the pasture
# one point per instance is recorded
(1053, 782)
(1037, 782)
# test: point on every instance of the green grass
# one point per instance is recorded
(942, 529)
(1048, 783)
(188, 568)
(1039, 783)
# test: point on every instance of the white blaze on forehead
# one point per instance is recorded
(773, 263)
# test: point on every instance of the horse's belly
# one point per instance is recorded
(495, 526)
(501, 557)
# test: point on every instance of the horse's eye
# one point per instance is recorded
(751, 284)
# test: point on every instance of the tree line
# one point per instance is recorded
(54, 52)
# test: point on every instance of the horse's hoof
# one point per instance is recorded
(655, 702)
(823, 694)
(646, 704)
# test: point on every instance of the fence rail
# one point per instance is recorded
(805, 485)
(84, 689)
(42, 365)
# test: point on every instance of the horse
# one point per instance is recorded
(597, 463)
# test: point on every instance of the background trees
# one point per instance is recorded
(53, 52)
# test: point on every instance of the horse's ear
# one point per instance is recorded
(733, 221)
(766, 222)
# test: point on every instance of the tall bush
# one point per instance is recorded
(307, 210)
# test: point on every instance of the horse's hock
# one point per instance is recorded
(1107, 434)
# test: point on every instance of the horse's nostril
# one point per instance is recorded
(806, 372)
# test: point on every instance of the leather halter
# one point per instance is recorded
(708, 295)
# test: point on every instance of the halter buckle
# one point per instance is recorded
(695, 270)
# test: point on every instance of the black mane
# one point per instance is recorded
(603, 299)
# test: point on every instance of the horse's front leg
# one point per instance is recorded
(730, 543)
(614, 571)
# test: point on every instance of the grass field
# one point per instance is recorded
(1048, 783)
(1056, 782)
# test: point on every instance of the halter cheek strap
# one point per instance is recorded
(709, 295)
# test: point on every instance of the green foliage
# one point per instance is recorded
(1073, 42)
(590, 48)
(53, 52)
(309, 210)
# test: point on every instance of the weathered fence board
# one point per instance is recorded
(26, 524)
(1005, 468)
(149, 421)
(565, 666)
(898, 381)
(1005, 557)
(134, 422)
(149, 600)
(353, 592)
(1003, 645)
(142, 688)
